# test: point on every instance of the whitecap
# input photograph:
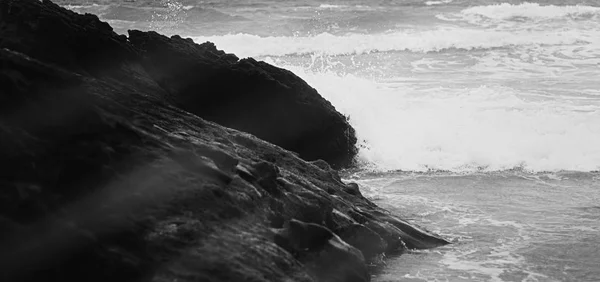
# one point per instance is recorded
(438, 39)
(431, 3)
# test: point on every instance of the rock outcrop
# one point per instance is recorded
(103, 177)
(255, 97)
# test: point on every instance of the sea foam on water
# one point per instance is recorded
(473, 98)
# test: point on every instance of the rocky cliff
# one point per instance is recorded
(268, 102)
(111, 171)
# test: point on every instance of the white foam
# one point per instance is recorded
(71, 7)
(431, 3)
(330, 6)
(486, 128)
(443, 38)
(526, 16)
(345, 7)
(530, 10)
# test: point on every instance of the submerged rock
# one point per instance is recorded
(105, 178)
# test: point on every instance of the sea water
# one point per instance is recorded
(477, 119)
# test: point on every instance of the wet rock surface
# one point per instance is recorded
(105, 178)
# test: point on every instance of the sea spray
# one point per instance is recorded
(486, 128)
(439, 39)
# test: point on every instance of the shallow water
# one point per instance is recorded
(503, 226)
(484, 104)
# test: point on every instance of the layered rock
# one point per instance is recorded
(104, 178)
(248, 95)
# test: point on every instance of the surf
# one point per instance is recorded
(435, 40)
(529, 10)
(486, 128)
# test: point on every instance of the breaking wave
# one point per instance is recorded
(525, 15)
(430, 123)
(440, 39)
(532, 11)
(484, 128)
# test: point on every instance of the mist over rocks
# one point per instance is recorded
(109, 172)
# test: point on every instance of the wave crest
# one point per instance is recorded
(247, 45)
(507, 11)
(475, 129)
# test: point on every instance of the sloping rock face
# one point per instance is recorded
(105, 179)
(271, 103)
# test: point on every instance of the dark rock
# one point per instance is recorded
(308, 206)
(263, 174)
(413, 236)
(203, 166)
(276, 220)
(325, 167)
(340, 220)
(392, 227)
(327, 256)
(223, 160)
(360, 216)
(308, 236)
(48, 32)
(104, 179)
(364, 239)
(321, 164)
(251, 96)
(391, 235)
(352, 189)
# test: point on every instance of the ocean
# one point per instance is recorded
(477, 119)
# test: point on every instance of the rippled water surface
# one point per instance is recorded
(504, 226)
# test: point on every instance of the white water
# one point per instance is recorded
(503, 226)
(460, 97)
(438, 39)
(417, 128)
(507, 11)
